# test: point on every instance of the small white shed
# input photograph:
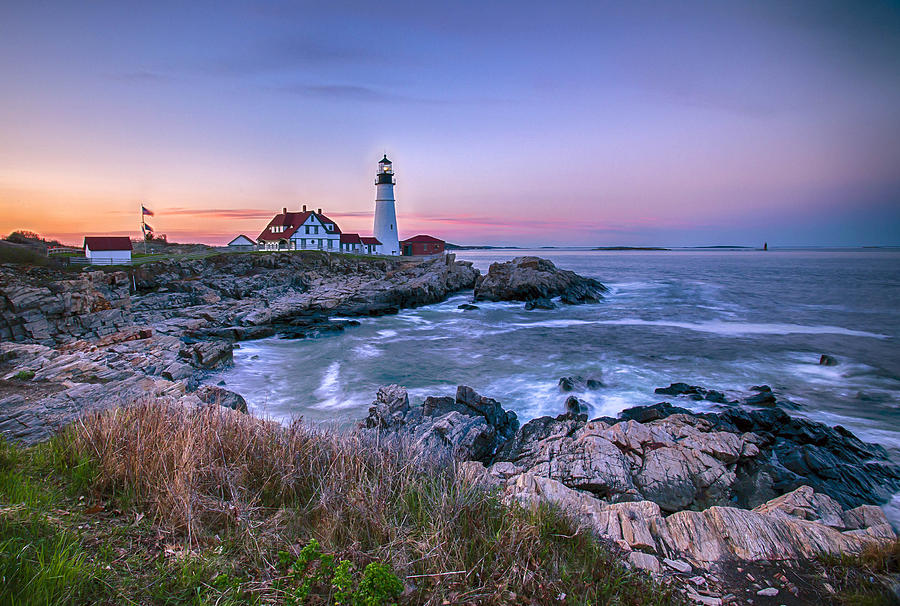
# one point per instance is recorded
(242, 242)
(108, 250)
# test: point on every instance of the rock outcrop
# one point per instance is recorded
(536, 281)
(468, 427)
(40, 305)
(667, 488)
(715, 535)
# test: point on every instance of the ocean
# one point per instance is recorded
(721, 319)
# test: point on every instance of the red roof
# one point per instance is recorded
(96, 243)
(291, 221)
(422, 238)
(369, 240)
(351, 239)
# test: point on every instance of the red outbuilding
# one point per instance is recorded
(422, 245)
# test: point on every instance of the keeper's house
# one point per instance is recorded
(422, 245)
(108, 250)
(303, 230)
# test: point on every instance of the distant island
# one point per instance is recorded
(449, 246)
(630, 248)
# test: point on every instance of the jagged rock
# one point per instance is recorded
(576, 407)
(467, 307)
(36, 308)
(644, 561)
(534, 279)
(694, 392)
(654, 412)
(827, 360)
(684, 460)
(579, 383)
(804, 504)
(540, 303)
(212, 394)
(389, 409)
(715, 535)
(208, 354)
(467, 427)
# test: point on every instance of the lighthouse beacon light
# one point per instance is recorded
(385, 229)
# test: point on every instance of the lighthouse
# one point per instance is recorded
(385, 213)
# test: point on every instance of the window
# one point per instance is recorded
(307, 229)
(316, 229)
(330, 242)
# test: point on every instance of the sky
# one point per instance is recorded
(509, 123)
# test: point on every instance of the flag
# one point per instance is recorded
(146, 211)
(148, 228)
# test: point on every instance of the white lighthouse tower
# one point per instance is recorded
(385, 213)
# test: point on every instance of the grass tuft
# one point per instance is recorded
(211, 506)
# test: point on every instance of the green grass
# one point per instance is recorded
(24, 375)
(153, 505)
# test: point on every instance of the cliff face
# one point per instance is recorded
(39, 305)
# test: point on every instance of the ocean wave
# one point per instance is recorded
(366, 351)
(714, 326)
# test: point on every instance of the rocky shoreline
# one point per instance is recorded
(75, 342)
(683, 495)
(691, 497)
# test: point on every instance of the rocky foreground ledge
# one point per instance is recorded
(679, 492)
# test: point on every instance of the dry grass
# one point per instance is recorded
(216, 479)
(866, 579)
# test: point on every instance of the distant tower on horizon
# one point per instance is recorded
(385, 214)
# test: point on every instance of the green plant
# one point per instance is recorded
(342, 583)
(24, 375)
(378, 586)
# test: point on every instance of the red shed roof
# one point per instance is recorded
(369, 240)
(351, 239)
(107, 242)
(422, 238)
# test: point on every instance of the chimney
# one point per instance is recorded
(304, 208)
(284, 211)
(319, 211)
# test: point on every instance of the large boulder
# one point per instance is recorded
(213, 394)
(537, 281)
(468, 427)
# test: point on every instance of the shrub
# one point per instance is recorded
(21, 254)
(24, 375)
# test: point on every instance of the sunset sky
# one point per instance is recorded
(545, 123)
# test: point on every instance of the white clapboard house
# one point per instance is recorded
(303, 230)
